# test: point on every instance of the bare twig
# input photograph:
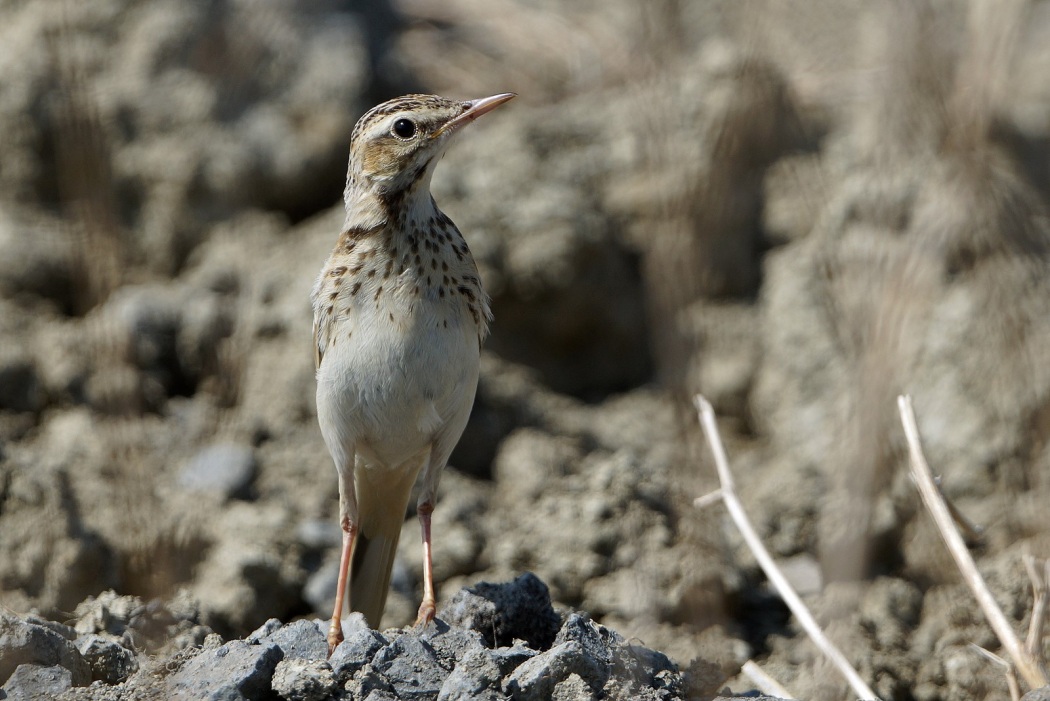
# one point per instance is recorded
(1008, 670)
(1029, 668)
(708, 499)
(765, 560)
(1039, 573)
(763, 682)
(972, 531)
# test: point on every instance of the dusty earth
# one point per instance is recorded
(800, 209)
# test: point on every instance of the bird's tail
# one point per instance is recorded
(382, 498)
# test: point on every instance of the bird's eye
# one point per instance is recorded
(404, 128)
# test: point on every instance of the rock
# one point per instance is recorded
(319, 590)
(451, 644)
(354, 652)
(573, 688)
(509, 658)
(24, 643)
(504, 612)
(234, 668)
(477, 676)
(224, 469)
(536, 679)
(412, 668)
(1040, 694)
(300, 640)
(369, 685)
(67, 632)
(31, 682)
(319, 534)
(152, 626)
(264, 631)
(304, 680)
(110, 663)
(20, 387)
(594, 641)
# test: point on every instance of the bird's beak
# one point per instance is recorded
(475, 108)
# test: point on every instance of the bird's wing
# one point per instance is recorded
(322, 330)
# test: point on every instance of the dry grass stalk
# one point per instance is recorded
(765, 560)
(1039, 573)
(765, 683)
(1008, 670)
(1029, 667)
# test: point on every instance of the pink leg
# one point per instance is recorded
(335, 632)
(428, 608)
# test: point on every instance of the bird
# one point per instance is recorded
(400, 315)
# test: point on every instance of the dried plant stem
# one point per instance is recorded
(1029, 668)
(765, 560)
(763, 682)
(1039, 573)
(1008, 670)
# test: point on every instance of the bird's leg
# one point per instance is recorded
(428, 608)
(348, 523)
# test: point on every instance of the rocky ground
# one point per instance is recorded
(799, 209)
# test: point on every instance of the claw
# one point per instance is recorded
(427, 611)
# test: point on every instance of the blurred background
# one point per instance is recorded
(800, 208)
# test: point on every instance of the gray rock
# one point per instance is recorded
(369, 685)
(509, 658)
(354, 652)
(536, 679)
(300, 640)
(412, 667)
(110, 663)
(226, 469)
(319, 590)
(32, 682)
(624, 670)
(1040, 694)
(319, 534)
(304, 680)
(504, 612)
(451, 644)
(232, 669)
(264, 631)
(67, 632)
(25, 643)
(594, 640)
(574, 688)
(477, 676)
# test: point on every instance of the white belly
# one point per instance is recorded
(388, 389)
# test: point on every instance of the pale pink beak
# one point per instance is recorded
(475, 109)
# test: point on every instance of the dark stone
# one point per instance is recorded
(110, 662)
(504, 612)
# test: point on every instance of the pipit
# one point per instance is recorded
(399, 318)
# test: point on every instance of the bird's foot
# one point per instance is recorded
(335, 635)
(427, 611)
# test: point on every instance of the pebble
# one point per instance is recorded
(226, 469)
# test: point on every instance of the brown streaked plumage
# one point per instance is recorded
(399, 318)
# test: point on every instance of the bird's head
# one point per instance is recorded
(395, 145)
